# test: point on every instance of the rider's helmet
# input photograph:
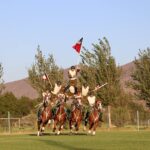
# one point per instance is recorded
(91, 93)
(72, 67)
(58, 82)
(85, 84)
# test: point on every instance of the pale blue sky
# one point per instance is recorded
(57, 24)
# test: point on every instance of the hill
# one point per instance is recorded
(23, 88)
(127, 70)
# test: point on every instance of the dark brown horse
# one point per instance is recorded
(46, 116)
(94, 117)
(76, 117)
(60, 117)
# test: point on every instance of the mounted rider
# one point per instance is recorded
(91, 100)
(57, 96)
(57, 88)
(78, 100)
(84, 91)
(46, 99)
(72, 75)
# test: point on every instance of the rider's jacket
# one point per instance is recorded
(91, 100)
(46, 95)
(56, 89)
(72, 74)
(85, 90)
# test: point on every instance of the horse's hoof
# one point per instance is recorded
(43, 129)
(89, 131)
(76, 132)
(93, 133)
(71, 131)
(58, 132)
(39, 133)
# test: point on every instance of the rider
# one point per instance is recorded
(46, 97)
(72, 74)
(57, 88)
(78, 99)
(91, 101)
(59, 100)
(84, 91)
(57, 91)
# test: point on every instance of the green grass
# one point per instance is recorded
(103, 140)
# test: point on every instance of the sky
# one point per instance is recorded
(56, 25)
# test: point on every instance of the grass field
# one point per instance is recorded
(103, 140)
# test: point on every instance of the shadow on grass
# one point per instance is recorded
(61, 145)
(55, 134)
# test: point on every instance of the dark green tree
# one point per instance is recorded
(141, 76)
(99, 67)
(17, 107)
(41, 67)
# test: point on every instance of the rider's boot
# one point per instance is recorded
(39, 114)
(86, 120)
(53, 112)
(100, 117)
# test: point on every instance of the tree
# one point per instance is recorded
(1, 80)
(43, 66)
(99, 67)
(17, 107)
(141, 76)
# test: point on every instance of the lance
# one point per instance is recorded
(48, 79)
(98, 87)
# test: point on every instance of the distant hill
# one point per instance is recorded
(127, 70)
(23, 88)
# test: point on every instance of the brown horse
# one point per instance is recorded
(46, 116)
(94, 117)
(60, 117)
(76, 117)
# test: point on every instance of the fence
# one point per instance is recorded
(10, 124)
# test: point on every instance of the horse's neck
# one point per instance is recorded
(61, 109)
(78, 110)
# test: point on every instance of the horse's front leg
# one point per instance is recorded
(54, 128)
(78, 123)
(90, 127)
(77, 126)
(42, 127)
(60, 127)
(71, 125)
(94, 128)
(38, 124)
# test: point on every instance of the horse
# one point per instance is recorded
(45, 117)
(60, 117)
(76, 117)
(94, 117)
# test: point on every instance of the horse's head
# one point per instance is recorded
(61, 107)
(98, 104)
(61, 96)
(46, 100)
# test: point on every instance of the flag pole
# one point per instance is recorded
(78, 59)
(48, 79)
(77, 47)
